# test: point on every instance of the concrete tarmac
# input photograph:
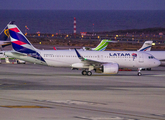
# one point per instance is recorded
(36, 92)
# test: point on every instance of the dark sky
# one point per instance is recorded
(83, 4)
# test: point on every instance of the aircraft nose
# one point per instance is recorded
(157, 62)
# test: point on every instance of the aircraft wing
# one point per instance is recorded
(18, 53)
(86, 61)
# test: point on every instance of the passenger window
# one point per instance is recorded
(151, 57)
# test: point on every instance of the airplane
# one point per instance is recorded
(107, 62)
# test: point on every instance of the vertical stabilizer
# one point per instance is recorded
(146, 46)
(102, 46)
(21, 44)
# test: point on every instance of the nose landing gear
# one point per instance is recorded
(139, 72)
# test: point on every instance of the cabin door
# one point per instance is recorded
(141, 58)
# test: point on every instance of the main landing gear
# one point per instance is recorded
(139, 72)
(88, 73)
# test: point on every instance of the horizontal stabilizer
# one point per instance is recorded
(18, 53)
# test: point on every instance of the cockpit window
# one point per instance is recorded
(151, 57)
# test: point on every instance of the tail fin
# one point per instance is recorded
(19, 42)
(103, 45)
(146, 46)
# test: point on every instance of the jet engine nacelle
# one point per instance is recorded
(111, 68)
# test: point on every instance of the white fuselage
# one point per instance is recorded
(65, 58)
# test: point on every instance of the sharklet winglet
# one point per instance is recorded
(78, 55)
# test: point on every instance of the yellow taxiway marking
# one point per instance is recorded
(81, 108)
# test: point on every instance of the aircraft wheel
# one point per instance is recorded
(17, 62)
(89, 73)
(84, 72)
(139, 74)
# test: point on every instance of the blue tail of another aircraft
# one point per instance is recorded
(4, 35)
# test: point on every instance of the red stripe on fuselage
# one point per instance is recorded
(14, 29)
(18, 42)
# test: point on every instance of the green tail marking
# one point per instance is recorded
(102, 46)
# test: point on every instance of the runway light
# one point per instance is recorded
(117, 35)
(98, 37)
